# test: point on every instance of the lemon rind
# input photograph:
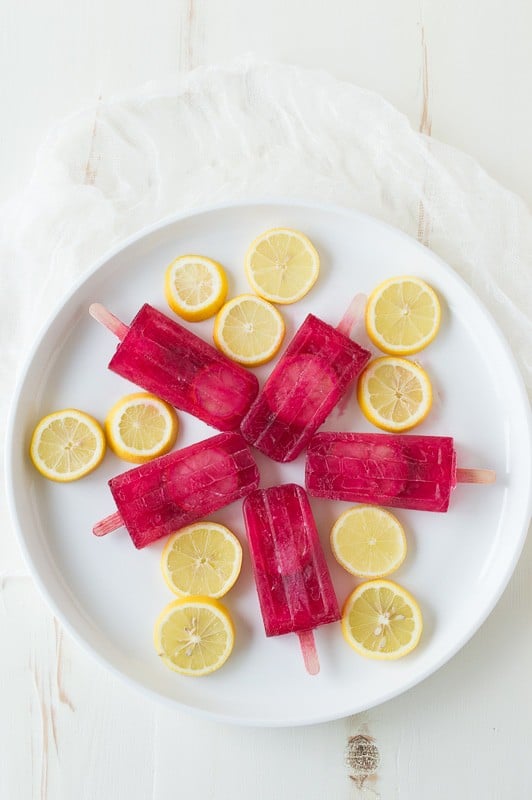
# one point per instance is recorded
(371, 328)
(279, 299)
(198, 601)
(372, 654)
(346, 564)
(221, 343)
(87, 419)
(201, 311)
(130, 454)
(381, 422)
(169, 545)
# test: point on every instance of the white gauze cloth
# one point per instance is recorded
(251, 130)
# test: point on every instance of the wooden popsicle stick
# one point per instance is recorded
(108, 320)
(475, 476)
(310, 654)
(353, 315)
(108, 524)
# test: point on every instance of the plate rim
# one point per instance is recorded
(10, 444)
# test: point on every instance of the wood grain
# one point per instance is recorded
(91, 167)
(425, 127)
(69, 729)
(191, 35)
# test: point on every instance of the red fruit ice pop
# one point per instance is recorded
(168, 360)
(417, 472)
(169, 492)
(311, 377)
(293, 581)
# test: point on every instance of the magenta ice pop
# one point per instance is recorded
(305, 385)
(165, 358)
(293, 582)
(417, 472)
(172, 491)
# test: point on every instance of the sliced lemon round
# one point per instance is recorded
(194, 635)
(282, 265)
(249, 330)
(381, 620)
(368, 541)
(403, 315)
(201, 559)
(394, 394)
(140, 427)
(67, 445)
(195, 287)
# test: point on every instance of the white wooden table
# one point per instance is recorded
(461, 71)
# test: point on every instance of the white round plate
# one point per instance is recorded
(108, 594)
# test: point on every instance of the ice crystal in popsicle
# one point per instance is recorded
(165, 358)
(293, 581)
(305, 385)
(172, 491)
(417, 472)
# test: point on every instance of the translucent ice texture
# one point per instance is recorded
(163, 495)
(168, 360)
(293, 582)
(416, 472)
(311, 377)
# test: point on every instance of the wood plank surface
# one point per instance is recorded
(68, 728)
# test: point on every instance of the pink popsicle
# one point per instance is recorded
(169, 492)
(293, 581)
(305, 385)
(417, 472)
(168, 360)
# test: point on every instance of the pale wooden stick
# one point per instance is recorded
(353, 315)
(108, 320)
(310, 654)
(108, 524)
(475, 476)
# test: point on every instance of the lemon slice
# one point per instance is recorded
(194, 635)
(195, 287)
(67, 445)
(282, 265)
(249, 330)
(368, 541)
(394, 394)
(201, 559)
(140, 427)
(403, 315)
(381, 620)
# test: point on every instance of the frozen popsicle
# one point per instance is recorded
(305, 385)
(293, 582)
(168, 360)
(172, 491)
(416, 472)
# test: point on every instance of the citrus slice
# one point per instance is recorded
(194, 635)
(201, 559)
(249, 330)
(381, 620)
(195, 287)
(140, 427)
(402, 315)
(368, 541)
(67, 445)
(394, 394)
(282, 265)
